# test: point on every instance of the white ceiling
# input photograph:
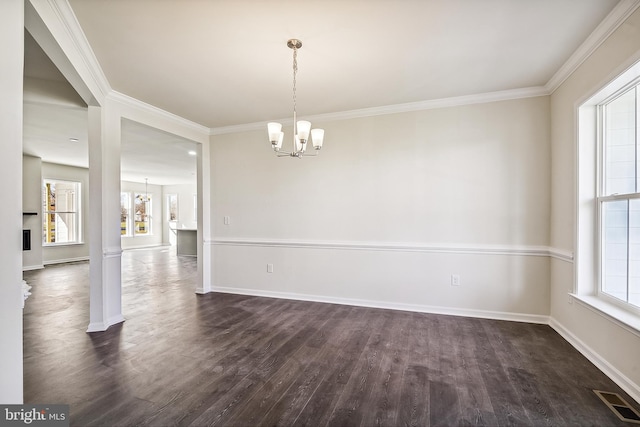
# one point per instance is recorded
(54, 113)
(225, 63)
(159, 156)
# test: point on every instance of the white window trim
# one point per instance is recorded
(78, 213)
(168, 207)
(131, 220)
(128, 221)
(600, 189)
(587, 233)
(195, 208)
(133, 216)
(620, 316)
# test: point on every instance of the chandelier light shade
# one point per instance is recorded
(302, 128)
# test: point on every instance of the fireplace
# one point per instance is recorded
(26, 240)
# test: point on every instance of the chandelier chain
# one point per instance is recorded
(295, 71)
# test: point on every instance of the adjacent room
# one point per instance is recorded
(322, 213)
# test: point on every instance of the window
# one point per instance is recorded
(61, 212)
(195, 208)
(142, 213)
(172, 207)
(619, 196)
(125, 208)
(138, 224)
(607, 200)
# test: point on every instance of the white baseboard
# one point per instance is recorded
(155, 245)
(66, 260)
(32, 267)
(630, 387)
(103, 326)
(482, 314)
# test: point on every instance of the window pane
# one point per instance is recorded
(173, 207)
(61, 200)
(614, 248)
(49, 220)
(620, 145)
(634, 252)
(142, 214)
(65, 227)
(637, 129)
(124, 214)
(65, 196)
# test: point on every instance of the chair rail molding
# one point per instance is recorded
(519, 250)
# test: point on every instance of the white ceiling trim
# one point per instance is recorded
(65, 16)
(82, 46)
(165, 116)
(616, 17)
(457, 101)
(59, 17)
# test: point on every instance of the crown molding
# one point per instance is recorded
(456, 101)
(68, 20)
(138, 105)
(613, 20)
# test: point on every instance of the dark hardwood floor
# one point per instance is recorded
(232, 360)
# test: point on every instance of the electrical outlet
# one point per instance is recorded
(455, 280)
(227, 220)
(269, 268)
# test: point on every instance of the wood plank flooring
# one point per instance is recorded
(231, 360)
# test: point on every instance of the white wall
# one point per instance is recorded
(32, 202)
(613, 348)
(157, 202)
(12, 51)
(73, 252)
(394, 205)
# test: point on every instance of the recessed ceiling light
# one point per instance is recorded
(73, 140)
(192, 153)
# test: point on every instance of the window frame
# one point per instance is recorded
(601, 196)
(77, 213)
(195, 208)
(127, 221)
(131, 215)
(148, 205)
(168, 199)
(584, 289)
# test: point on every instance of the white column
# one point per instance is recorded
(12, 53)
(105, 298)
(205, 229)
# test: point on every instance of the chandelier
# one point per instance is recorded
(301, 129)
